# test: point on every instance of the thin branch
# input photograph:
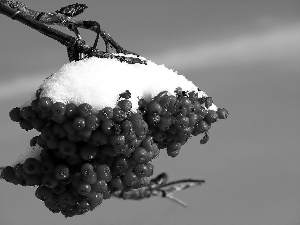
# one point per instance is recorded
(39, 20)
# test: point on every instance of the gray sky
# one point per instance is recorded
(245, 54)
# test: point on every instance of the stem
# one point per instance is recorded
(39, 21)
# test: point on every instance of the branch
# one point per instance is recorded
(64, 17)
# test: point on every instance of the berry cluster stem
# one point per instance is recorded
(39, 21)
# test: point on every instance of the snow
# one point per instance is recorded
(99, 81)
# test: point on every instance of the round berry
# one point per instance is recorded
(126, 127)
(100, 186)
(19, 171)
(89, 178)
(31, 166)
(98, 138)
(69, 128)
(83, 188)
(47, 167)
(129, 179)
(117, 140)
(118, 115)
(193, 118)
(150, 170)
(107, 127)
(33, 180)
(58, 109)
(153, 119)
(103, 173)
(8, 174)
(84, 206)
(154, 107)
(26, 125)
(116, 184)
(58, 189)
(140, 155)
(91, 122)
(15, 115)
(49, 181)
(211, 116)
(38, 124)
(85, 109)
(28, 113)
(71, 111)
(200, 127)
(95, 199)
(106, 113)
(140, 170)
(202, 112)
(44, 193)
(222, 113)
(106, 194)
(61, 172)
(86, 168)
(79, 123)
(120, 165)
(45, 104)
(87, 152)
(125, 105)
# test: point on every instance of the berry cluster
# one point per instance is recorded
(89, 155)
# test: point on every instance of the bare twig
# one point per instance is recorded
(64, 17)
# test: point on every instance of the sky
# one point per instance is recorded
(245, 54)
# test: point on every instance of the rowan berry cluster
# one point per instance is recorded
(88, 155)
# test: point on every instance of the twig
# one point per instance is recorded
(64, 17)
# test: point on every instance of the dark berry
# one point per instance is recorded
(90, 177)
(129, 178)
(8, 174)
(44, 193)
(103, 173)
(154, 107)
(140, 170)
(95, 199)
(106, 113)
(33, 141)
(118, 115)
(140, 155)
(71, 110)
(98, 138)
(60, 188)
(58, 109)
(47, 167)
(126, 127)
(83, 188)
(28, 113)
(61, 172)
(91, 122)
(211, 116)
(99, 186)
(222, 113)
(79, 123)
(117, 140)
(49, 181)
(200, 127)
(31, 166)
(38, 124)
(86, 168)
(45, 104)
(69, 128)
(14, 114)
(84, 109)
(107, 127)
(120, 165)
(33, 180)
(116, 183)
(125, 105)
(26, 125)
(87, 152)
(153, 118)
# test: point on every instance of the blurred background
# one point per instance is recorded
(245, 54)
